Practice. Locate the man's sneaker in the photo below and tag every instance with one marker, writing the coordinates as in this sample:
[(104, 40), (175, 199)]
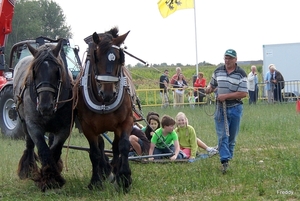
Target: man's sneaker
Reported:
[(212, 152), (225, 167)]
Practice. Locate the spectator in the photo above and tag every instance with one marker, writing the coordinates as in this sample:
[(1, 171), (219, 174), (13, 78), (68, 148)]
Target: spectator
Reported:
[(199, 86), (231, 83), (165, 140), (252, 85), (173, 80), (163, 85), (269, 85), (278, 83), (188, 140), (180, 85), (153, 125), (139, 142)]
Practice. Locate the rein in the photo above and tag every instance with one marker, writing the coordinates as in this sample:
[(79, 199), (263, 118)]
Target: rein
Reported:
[(136, 58)]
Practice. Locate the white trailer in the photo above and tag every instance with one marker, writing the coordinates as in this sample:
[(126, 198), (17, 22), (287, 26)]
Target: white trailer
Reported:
[(286, 58)]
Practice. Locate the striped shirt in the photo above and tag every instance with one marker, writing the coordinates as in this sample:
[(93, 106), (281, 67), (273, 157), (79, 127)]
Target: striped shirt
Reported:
[(228, 83)]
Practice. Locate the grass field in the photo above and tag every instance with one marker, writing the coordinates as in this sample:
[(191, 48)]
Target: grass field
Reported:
[(266, 164)]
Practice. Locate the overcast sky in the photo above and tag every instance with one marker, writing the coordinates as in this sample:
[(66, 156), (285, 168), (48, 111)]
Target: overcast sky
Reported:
[(243, 25)]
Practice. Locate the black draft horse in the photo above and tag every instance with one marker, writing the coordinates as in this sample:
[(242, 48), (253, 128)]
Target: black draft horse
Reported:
[(42, 90), (105, 104)]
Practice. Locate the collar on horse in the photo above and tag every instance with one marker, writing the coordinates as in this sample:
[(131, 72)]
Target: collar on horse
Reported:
[(89, 96)]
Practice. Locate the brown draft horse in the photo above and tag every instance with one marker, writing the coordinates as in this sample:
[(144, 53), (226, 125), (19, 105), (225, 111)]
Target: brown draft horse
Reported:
[(41, 87), (105, 104)]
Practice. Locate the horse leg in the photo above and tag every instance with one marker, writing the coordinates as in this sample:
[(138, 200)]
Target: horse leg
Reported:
[(56, 146), (50, 176), (59, 162), (123, 174), (97, 158), (27, 165), (105, 168)]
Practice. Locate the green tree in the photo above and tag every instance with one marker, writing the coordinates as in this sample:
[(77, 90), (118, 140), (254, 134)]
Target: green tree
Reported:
[(34, 18)]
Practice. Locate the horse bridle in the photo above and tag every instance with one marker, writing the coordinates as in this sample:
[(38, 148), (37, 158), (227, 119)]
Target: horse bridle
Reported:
[(111, 57), (51, 88)]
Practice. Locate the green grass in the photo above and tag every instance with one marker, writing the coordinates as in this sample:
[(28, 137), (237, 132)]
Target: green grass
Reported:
[(269, 133)]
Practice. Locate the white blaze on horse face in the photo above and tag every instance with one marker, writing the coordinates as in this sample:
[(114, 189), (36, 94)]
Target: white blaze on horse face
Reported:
[(111, 57)]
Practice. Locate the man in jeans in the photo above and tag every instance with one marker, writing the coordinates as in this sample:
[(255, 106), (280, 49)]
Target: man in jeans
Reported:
[(231, 83), (163, 85)]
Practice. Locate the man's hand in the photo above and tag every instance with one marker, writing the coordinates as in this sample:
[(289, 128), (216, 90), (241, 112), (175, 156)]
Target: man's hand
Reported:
[(221, 97), (208, 90)]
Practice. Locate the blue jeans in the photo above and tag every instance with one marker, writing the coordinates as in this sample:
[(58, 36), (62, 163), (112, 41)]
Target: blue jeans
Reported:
[(165, 151), (227, 143)]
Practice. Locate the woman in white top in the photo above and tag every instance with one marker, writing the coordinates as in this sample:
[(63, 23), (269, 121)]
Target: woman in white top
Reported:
[(180, 86)]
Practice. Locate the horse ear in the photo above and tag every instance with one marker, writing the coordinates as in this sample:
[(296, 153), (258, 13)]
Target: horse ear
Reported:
[(119, 40), (57, 49), (96, 38), (31, 49)]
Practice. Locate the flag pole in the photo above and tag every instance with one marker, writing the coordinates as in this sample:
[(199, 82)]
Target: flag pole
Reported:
[(196, 38)]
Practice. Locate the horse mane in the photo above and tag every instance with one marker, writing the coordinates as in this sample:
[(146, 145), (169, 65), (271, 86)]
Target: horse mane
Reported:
[(43, 53), (106, 39)]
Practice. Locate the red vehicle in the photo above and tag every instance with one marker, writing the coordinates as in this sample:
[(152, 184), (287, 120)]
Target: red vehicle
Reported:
[(10, 124), (6, 15)]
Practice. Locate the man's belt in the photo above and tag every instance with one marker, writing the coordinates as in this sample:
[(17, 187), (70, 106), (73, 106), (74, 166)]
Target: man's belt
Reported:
[(231, 103)]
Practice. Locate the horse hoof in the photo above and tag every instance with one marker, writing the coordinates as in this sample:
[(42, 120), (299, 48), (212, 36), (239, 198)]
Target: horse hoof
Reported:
[(111, 178), (119, 188), (54, 183), (97, 185)]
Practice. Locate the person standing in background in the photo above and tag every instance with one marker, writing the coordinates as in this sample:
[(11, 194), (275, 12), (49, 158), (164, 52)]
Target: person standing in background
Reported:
[(278, 82), (231, 83), (180, 85), (269, 84), (174, 78), (164, 86), (252, 85), (199, 86)]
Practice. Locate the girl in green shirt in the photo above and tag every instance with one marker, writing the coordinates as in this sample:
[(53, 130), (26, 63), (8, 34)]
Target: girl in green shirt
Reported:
[(187, 138)]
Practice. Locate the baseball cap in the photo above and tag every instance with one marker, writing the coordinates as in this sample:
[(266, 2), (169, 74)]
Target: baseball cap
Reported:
[(230, 52)]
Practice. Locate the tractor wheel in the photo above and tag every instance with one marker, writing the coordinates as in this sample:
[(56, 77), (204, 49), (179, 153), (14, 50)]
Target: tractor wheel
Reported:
[(10, 123)]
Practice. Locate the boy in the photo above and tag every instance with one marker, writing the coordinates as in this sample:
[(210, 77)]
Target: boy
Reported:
[(165, 140)]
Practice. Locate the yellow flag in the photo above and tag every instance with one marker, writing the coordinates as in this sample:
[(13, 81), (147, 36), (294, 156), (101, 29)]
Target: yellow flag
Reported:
[(167, 7)]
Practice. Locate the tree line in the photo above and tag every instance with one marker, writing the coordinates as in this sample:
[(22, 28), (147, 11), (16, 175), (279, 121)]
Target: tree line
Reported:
[(37, 18)]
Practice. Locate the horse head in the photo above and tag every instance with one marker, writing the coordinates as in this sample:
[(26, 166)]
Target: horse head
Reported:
[(107, 57), (47, 71)]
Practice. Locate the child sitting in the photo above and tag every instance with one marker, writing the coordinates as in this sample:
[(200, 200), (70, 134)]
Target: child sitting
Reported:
[(187, 138), (153, 124), (165, 140)]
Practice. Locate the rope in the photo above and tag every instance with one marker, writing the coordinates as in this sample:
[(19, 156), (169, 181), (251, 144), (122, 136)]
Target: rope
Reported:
[(75, 101), (225, 118)]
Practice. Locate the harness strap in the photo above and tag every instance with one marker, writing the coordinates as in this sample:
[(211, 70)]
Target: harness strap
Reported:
[(45, 89), (107, 78)]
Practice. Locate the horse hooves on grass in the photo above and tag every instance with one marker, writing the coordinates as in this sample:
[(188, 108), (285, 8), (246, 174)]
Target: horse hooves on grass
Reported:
[(111, 178), (51, 185), (120, 188), (96, 185)]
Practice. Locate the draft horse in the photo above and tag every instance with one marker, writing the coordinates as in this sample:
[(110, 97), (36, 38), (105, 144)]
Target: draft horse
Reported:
[(105, 104), (42, 90)]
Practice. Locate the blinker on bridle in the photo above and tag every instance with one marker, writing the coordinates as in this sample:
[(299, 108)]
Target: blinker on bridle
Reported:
[(51, 88), (110, 60)]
